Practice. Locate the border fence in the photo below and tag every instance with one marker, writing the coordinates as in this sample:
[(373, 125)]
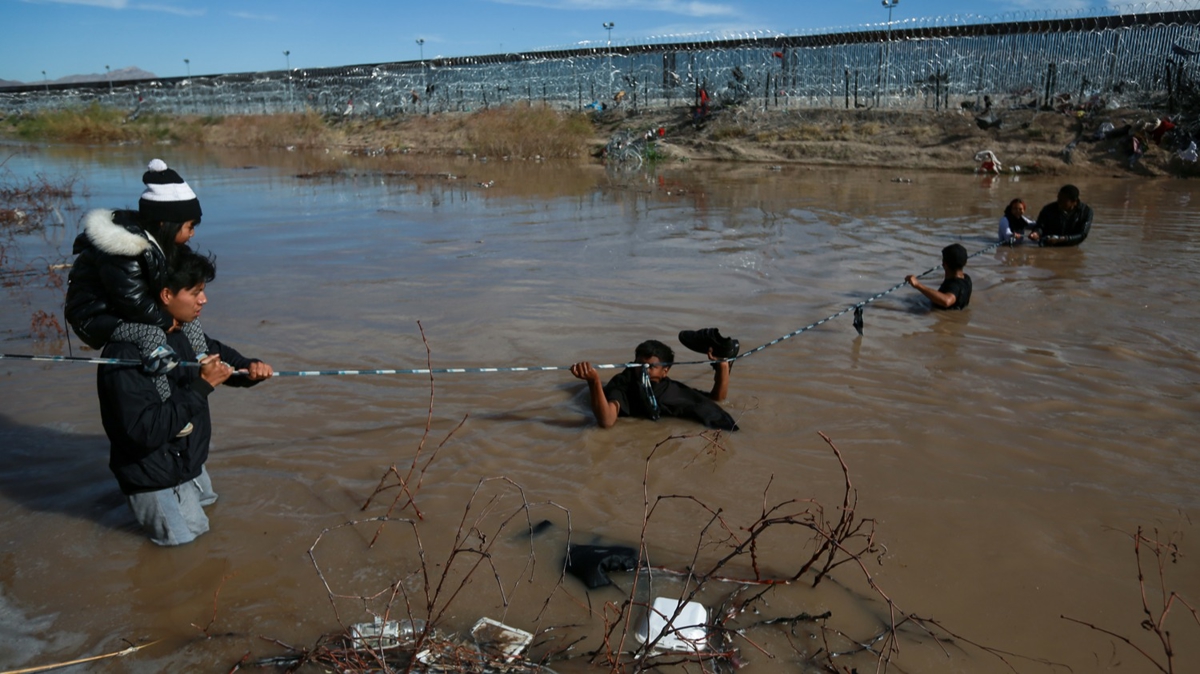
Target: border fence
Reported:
[(1145, 57)]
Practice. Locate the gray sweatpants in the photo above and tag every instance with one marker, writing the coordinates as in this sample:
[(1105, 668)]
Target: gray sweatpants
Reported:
[(175, 516)]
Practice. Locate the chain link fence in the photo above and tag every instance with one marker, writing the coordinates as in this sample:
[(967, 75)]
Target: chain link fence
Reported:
[(1145, 56)]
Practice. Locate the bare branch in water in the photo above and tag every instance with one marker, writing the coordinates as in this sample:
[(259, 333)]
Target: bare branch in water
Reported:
[(1155, 620)]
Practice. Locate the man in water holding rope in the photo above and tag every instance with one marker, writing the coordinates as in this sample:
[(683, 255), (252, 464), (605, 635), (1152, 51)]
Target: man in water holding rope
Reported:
[(158, 422), (1065, 222), (648, 393), (955, 291)]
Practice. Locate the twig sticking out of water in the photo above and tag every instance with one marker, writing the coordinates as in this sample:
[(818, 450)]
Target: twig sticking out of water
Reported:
[(213, 619), (404, 482), (94, 658), (1156, 619)]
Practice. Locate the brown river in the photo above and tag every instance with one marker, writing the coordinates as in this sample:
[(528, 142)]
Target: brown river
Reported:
[(1005, 454)]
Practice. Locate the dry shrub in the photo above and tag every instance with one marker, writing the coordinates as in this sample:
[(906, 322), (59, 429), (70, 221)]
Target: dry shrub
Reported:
[(525, 130), (729, 131), (807, 131), (93, 123), (870, 128), (923, 132), (843, 131), (303, 129)]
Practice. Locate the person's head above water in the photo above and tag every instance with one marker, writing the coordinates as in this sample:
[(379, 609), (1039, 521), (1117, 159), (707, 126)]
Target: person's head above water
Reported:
[(1068, 197), (954, 257), (168, 208), (183, 296), (653, 352), (1015, 209)]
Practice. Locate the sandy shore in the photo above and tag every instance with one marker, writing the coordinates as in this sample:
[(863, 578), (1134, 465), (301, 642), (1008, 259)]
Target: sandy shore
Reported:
[(1036, 141)]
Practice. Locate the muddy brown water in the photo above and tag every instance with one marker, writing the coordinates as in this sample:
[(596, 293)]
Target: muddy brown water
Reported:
[(1004, 452)]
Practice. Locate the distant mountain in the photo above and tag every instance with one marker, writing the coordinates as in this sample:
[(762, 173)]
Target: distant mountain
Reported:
[(130, 73)]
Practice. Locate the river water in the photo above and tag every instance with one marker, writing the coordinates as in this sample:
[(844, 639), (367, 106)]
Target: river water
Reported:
[(1004, 453)]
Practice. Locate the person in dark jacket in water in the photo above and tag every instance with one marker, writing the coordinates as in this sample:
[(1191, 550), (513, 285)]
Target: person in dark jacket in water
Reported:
[(648, 393), (158, 443), (122, 259), (1065, 222)]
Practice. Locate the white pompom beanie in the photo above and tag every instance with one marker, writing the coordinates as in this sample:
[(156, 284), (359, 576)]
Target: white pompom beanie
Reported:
[(167, 197)]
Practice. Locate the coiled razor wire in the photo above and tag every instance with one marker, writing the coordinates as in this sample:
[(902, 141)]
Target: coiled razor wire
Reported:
[(856, 308), (1128, 54)]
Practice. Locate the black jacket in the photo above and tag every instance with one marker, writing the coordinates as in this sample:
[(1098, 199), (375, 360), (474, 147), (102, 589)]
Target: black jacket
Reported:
[(145, 453), (1071, 227), (671, 399), (116, 277)]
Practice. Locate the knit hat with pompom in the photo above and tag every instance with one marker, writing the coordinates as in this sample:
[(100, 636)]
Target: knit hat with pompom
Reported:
[(167, 197)]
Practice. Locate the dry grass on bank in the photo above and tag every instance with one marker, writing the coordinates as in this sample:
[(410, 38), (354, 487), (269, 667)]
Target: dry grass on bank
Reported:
[(1037, 141), (95, 124), (521, 130), (302, 130)]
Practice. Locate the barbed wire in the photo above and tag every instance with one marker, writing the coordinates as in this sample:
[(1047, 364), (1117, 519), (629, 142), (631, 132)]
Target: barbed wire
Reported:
[(1124, 55)]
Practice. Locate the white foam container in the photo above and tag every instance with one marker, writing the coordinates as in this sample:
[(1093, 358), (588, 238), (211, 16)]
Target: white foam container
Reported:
[(686, 633)]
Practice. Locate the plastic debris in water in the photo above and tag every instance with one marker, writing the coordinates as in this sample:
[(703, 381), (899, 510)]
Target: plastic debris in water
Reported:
[(683, 633), (500, 639)]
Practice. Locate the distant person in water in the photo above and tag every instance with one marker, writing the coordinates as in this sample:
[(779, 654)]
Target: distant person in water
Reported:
[(1065, 222), (1014, 223), (648, 393), (955, 291)]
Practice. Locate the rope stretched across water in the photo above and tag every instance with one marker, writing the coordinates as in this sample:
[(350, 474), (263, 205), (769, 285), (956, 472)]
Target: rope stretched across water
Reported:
[(856, 308)]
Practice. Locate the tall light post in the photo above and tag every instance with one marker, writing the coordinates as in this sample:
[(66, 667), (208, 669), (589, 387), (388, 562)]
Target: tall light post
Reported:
[(108, 76), (424, 80), (191, 95), (890, 4), (46, 81), (287, 61), (608, 26)]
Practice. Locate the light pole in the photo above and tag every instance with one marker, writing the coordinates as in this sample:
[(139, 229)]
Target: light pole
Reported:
[(108, 76), (188, 63), (890, 4), (608, 26), (46, 81), (424, 80), (287, 60)]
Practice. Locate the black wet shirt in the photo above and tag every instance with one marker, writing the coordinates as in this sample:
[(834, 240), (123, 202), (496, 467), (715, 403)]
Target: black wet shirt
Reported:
[(960, 288), (673, 400)]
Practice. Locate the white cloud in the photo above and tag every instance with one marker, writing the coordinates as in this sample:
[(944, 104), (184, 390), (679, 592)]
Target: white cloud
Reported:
[(107, 4), (693, 8), (124, 5), (254, 17), (168, 9)]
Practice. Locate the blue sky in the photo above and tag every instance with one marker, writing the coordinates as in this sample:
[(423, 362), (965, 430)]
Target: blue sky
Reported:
[(73, 37)]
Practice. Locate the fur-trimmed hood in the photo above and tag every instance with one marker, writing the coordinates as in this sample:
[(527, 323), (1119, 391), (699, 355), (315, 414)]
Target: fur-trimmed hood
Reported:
[(108, 236)]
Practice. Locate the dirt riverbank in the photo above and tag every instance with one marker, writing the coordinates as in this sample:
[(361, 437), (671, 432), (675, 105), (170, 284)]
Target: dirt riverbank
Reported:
[(1036, 141)]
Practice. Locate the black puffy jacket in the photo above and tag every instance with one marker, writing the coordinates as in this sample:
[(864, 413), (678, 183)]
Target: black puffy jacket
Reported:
[(145, 450), (117, 275)]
